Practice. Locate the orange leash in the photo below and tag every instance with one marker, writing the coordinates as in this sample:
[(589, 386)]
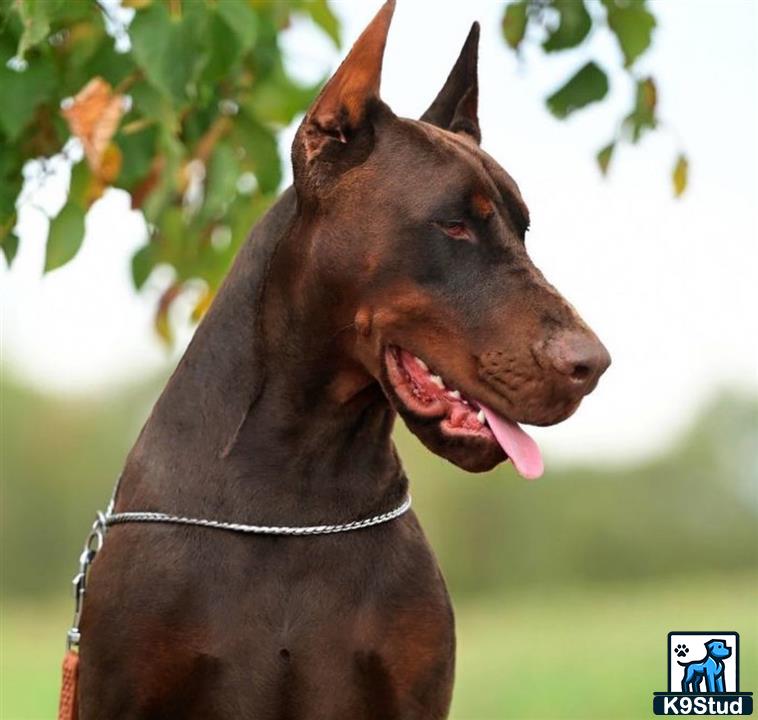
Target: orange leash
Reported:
[(67, 707)]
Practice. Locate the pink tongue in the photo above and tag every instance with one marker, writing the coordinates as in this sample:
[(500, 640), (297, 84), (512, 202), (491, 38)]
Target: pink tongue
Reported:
[(520, 447)]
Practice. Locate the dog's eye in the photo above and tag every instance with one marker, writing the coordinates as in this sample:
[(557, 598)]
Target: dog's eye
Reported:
[(455, 229)]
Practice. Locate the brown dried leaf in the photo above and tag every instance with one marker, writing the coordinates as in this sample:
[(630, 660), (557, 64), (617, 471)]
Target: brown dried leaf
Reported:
[(93, 117)]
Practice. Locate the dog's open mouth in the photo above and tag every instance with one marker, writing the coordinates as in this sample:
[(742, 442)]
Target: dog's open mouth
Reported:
[(461, 420)]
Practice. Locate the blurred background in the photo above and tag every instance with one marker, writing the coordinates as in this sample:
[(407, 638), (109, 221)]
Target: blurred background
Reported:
[(631, 130)]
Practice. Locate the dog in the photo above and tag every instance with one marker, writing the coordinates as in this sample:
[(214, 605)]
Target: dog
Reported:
[(391, 279), (710, 669)]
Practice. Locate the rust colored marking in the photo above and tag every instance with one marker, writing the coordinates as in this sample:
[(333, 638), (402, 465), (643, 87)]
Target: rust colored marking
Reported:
[(482, 205), (413, 645)]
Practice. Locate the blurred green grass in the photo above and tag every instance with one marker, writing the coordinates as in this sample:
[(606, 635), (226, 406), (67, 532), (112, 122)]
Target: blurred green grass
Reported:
[(590, 653), (564, 589), (584, 652)]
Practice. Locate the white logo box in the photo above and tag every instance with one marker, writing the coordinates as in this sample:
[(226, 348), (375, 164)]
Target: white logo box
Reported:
[(695, 643)]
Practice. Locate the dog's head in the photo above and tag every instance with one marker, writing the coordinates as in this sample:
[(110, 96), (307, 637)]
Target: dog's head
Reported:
[(418, 234), (718, 649)]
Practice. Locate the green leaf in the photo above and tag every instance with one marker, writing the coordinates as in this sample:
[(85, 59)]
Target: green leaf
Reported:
[(642, 117), (322, 15), (229, 30), (36, 21), (172, 232), (632, 24), (574, 25), (243, 213), (261, 152), (223, 47), (241, 20), (680, 175), (166, 188), (278, 99), (65, 236), (604, 157), (221, 181), (167, 49), (80, 184), (11, 182), (143, 262), (138, 150), (82, 46), (10, 247), (22, 92), (266, 52), (588, 85), (65, 12), (514, 23), (150, 103), (108, 63)]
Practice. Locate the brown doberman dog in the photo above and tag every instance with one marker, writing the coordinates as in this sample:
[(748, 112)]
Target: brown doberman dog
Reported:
[(392, 278)]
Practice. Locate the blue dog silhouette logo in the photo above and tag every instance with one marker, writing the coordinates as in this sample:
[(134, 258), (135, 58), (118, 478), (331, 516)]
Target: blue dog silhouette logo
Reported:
[(710, 669), (703, 676)]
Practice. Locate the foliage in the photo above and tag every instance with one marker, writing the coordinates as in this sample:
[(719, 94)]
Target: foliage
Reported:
[(177, 102), (557, 25)]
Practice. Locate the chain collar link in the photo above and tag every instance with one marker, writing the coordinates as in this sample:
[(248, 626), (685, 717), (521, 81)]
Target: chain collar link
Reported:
[(94, 542)]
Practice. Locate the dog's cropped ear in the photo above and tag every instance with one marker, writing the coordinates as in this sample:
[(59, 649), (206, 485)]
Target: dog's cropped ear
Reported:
[(331, 137), (455, 108)]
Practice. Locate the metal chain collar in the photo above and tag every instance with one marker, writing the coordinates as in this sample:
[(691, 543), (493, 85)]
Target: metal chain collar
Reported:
[(103, 521), (158, 517)]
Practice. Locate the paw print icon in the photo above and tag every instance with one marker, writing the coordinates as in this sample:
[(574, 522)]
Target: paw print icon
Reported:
[(681, 650)]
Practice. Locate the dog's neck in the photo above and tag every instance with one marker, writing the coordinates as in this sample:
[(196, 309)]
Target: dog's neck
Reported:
[(265, 419)]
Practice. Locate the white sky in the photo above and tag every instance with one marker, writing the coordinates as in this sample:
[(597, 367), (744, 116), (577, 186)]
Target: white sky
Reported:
[(670, 286)]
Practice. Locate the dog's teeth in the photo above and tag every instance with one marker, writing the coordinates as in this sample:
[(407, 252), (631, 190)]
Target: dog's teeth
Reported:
[(421, 363), (480, 416), (437, 380), (455, 394)]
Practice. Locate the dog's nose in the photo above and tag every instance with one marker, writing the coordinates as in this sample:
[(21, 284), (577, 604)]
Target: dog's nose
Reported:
[(579, 357)]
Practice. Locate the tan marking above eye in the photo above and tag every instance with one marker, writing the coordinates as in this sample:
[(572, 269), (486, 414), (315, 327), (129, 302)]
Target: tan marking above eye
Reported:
[(482, 205)]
